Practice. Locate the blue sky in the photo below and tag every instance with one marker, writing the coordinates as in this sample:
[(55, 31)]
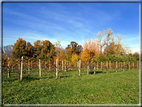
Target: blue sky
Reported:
[(68, 22)]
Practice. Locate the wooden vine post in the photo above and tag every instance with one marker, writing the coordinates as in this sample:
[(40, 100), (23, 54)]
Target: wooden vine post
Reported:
[(56, 68), (21, 68), (116, 66), (8, 69), (39, 68), (94, 69), (79, 67)]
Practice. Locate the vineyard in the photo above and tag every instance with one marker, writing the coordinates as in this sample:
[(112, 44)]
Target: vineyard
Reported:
[(26, 66)]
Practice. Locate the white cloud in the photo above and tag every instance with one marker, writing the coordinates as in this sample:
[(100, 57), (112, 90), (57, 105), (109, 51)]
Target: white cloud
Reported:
[(136, 50)]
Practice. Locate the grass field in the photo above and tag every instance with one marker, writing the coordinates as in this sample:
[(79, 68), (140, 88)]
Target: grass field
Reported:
[(112, 88)]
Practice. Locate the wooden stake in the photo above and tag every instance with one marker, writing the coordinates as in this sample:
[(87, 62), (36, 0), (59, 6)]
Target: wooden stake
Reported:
[(39, 68), (56, 68), (21, 68)]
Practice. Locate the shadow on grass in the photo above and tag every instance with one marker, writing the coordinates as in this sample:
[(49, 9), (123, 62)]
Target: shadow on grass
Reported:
[(64, 76), (28, 78), (97, 72)]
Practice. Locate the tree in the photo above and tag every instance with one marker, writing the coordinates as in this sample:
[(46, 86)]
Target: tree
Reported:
[(29, 50), (75, 47), (136, 56), (37, 49), (62, 54), (68, 55), (91, 50), (58, 46), (19, 48), (75, 58)]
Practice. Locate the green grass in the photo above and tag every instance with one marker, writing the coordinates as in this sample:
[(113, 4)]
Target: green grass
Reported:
[(102, 88)]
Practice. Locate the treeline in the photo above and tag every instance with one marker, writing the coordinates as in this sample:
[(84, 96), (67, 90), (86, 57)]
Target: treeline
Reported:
[(94, 50)]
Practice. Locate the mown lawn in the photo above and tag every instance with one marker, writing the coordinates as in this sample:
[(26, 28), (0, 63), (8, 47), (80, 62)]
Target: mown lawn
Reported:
[(112, 88)]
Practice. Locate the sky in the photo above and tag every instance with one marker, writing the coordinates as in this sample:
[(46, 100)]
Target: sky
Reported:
[(68, 22)]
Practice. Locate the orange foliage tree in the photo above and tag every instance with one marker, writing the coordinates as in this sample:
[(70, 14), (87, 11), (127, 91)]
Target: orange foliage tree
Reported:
[(19, 48), (91, 51)]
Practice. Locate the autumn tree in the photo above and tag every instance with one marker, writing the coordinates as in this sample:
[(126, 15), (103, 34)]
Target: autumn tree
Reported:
[(91, 50), (62, 54), (57, 49), (75, 47), (19, 48), (136, 56), (68, 55), (37, 49)]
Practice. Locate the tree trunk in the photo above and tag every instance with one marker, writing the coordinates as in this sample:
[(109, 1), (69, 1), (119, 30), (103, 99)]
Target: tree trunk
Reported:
[(94, 69), (133, 65), (8, 69), (39, 68), (21, 68)]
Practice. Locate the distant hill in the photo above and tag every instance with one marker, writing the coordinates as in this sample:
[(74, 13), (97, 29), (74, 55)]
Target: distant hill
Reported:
[(7, 49)]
